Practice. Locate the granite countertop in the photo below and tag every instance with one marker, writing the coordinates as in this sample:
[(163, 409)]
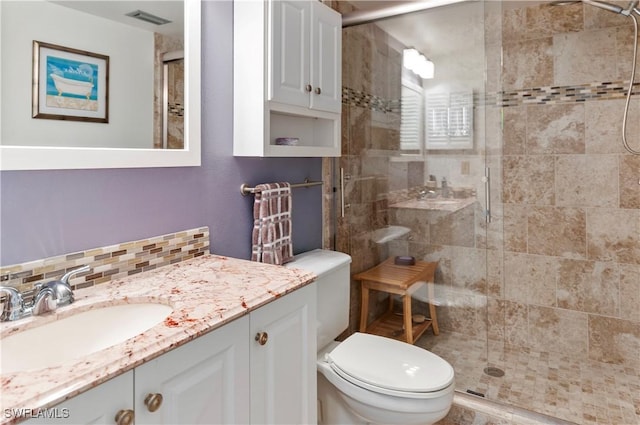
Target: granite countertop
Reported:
[(205, 293), (435, 204)]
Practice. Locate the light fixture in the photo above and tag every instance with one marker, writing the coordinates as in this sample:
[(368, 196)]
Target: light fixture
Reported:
[(418, 63)]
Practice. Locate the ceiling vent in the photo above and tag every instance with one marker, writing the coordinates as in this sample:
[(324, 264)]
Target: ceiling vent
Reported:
[(148, 17)]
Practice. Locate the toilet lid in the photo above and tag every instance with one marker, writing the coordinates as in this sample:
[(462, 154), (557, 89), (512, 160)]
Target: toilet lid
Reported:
[(386, 364)]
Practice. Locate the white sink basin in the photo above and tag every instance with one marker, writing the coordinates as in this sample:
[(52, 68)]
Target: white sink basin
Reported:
[(61, 341)]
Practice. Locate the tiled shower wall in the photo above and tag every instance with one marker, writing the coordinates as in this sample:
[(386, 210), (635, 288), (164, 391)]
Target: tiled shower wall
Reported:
[(570, 231), (559, 267)]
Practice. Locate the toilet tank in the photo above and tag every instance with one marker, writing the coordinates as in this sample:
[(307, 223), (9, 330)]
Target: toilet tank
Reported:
[(332, 290)]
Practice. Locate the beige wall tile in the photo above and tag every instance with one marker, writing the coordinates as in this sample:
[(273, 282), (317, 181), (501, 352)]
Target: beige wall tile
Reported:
[(516, 318), (514, 20), (589, 286), (595, 18), (527, 64), (555, 129), (528, 180), (585, 57), (557, 231), (614, 235), (630, 292), (562, 330), (514, 135), (456, 229), (614, 340), (629, 182), (624, 48), (515, 227), (495, 275), (587, 180), (530, 279), (544, 20), (469, 269), (416, 220), (357, 51), (603, 125)]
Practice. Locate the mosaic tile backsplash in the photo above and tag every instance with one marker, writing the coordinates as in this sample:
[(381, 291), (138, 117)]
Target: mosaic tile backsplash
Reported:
[(110, 262)]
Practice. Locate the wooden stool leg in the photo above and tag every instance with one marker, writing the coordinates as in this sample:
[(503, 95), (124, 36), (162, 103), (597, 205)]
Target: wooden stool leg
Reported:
[(406, 311), (432, 309), (364, 308)]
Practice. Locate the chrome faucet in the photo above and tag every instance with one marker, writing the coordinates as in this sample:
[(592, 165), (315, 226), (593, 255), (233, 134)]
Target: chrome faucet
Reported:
[(49, 296), (13, 306), (61, 290)]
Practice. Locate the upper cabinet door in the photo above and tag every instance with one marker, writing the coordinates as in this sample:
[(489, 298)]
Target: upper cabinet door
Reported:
[(290, 80), (326, 59)]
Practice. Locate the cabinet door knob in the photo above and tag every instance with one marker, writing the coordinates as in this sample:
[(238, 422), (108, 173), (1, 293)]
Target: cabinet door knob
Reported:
[(124, 417), (318, 91), (308, 87), (153, 401), (262, 338)]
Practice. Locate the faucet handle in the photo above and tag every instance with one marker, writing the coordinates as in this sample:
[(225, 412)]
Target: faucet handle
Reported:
[(13, 306), (70, 274), (62, 292)]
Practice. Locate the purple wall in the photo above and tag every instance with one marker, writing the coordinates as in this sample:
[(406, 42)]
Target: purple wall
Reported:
[(48, 213)]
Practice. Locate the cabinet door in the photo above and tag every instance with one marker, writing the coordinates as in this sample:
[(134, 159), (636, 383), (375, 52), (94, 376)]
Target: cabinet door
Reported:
[(326, 59), (289, 53), (283, 368), (96, 406), (203, 382)]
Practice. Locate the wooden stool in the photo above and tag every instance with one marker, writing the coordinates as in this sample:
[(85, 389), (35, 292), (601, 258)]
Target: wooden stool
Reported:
[(399, 280)]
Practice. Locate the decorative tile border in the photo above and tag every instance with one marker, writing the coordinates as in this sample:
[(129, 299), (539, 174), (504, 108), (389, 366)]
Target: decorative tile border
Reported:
[(566, 94), (369, 101), (176, 109), (110, 262), (532, 96)]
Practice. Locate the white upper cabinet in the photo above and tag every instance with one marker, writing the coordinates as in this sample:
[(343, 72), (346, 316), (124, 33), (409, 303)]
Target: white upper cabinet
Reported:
[(306, 55), (287, 78)]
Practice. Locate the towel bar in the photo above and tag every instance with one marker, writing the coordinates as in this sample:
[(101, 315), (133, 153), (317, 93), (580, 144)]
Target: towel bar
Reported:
[(246, 190)]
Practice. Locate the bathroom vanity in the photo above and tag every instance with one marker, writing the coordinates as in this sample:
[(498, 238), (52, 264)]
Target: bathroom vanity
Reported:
[(240, 334)]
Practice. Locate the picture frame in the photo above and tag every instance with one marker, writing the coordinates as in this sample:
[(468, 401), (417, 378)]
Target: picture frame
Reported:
[(69, 84)]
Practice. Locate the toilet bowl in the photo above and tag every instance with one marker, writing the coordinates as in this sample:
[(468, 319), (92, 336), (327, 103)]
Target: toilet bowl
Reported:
[(384, 381), (369, 379)]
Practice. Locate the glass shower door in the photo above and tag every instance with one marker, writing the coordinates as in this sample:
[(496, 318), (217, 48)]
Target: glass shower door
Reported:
[(412, 172)]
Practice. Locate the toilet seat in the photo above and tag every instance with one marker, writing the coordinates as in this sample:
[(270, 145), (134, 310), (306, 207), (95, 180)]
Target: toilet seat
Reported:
[(390, 367)]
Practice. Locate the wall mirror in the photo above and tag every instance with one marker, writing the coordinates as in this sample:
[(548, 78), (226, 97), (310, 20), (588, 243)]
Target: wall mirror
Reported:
[(151, 86)]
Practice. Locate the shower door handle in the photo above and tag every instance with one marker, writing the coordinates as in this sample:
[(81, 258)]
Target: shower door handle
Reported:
[(486, 179), (343, 206)]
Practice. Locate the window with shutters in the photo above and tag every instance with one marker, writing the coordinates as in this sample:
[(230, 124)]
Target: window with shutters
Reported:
[(449, 120), (411, 117)]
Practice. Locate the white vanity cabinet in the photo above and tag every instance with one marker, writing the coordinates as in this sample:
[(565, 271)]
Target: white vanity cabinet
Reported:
[(260, 368), (205, 381), (283, 360), (99, 405), (287, 78)]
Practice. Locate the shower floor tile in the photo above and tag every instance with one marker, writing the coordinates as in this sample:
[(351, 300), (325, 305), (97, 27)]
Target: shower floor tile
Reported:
[(584, 392)]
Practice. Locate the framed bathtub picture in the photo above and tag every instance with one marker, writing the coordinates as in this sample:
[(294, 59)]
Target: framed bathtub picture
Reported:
[(69, 84)]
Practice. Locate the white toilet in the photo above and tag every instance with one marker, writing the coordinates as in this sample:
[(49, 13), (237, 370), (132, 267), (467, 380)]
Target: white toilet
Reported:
[(368, 379)]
